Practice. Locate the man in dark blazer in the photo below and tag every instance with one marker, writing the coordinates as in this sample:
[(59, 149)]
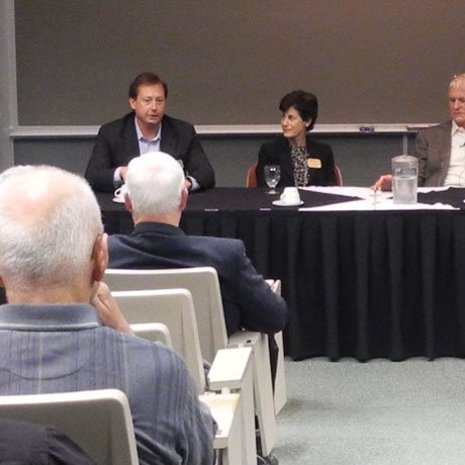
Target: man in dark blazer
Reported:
[(147, 129), (440, 149), (157, 242)]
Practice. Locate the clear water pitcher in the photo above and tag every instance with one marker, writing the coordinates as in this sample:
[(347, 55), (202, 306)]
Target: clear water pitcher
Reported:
[(404, 179)]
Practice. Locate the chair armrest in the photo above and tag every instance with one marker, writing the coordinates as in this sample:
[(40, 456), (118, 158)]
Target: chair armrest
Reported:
[(275, 285), (233, 369), (262, 385), (230, 368), (223, 409), (244, 339)]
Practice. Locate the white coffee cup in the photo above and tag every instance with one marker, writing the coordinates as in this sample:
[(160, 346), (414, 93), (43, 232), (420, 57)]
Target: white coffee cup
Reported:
[(290, 195), (119, 194)]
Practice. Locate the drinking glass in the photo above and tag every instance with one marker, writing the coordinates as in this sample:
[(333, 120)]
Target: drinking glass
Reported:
[(272, 176)]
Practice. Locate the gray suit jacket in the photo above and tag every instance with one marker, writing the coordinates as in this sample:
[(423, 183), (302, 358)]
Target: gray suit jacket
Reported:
[(432, 148)]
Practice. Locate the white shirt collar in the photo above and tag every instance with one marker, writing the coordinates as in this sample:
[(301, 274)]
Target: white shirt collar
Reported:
[(140, 136), (456, 129)]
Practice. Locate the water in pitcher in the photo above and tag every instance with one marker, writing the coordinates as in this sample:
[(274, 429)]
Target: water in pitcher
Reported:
[(405, 189), (404, 179)]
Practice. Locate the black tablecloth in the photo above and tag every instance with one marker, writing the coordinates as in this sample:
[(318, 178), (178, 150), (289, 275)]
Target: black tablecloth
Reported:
[(452, 196), (362, 284)]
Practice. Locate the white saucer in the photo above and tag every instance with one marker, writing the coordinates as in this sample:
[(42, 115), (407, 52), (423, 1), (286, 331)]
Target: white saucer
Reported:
[(281, 203), (118, 199)]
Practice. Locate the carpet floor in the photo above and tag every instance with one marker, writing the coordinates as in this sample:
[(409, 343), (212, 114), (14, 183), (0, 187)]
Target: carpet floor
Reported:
[(374, 413)]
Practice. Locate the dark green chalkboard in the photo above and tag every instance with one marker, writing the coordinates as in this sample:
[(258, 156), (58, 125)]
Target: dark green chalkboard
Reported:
[(229, 62)]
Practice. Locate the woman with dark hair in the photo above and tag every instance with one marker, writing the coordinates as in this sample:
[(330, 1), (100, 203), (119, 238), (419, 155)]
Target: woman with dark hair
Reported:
[(303, 162)]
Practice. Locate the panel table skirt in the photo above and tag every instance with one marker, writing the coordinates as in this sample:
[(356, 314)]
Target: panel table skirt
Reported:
[(359, 284)]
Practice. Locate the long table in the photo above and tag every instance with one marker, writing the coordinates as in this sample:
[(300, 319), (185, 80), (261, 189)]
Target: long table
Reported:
[(360, 284)]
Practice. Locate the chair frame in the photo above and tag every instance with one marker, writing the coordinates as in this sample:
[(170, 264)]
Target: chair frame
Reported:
[(167, 306), (251, 179), (127, 279), (231, 369), (155, 332), (212, 330)]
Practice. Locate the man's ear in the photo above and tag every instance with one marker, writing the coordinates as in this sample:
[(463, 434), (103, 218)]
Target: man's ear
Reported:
[(100, 257), (128, 203), (308, 123), (184, 197), (132, 103)]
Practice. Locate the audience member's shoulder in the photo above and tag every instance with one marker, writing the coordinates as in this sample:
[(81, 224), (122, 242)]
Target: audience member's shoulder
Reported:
[(116, 239), (229, 248), (142, 347), (224, 242), (147, 357)]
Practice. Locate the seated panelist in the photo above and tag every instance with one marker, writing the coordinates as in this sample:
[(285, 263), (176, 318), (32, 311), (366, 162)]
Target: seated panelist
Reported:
[(440, 149), (303, 162), (147, 129)]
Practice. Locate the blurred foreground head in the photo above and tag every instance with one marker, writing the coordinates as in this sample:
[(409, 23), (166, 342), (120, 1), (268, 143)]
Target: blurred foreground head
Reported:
[(50, 224)]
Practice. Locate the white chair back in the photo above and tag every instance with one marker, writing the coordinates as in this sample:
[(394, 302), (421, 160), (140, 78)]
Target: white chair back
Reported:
[(99, 421), (155, 332), (175, 309), (203, 284)]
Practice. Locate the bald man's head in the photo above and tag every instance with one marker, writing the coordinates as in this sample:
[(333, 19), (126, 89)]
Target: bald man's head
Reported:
[(49, 220)]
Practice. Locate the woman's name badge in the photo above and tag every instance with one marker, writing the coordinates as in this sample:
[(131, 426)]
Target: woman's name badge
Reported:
[(314, 163)]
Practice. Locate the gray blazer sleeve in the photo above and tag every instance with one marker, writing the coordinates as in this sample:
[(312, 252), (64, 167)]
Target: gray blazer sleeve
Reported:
[(432, 148)]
